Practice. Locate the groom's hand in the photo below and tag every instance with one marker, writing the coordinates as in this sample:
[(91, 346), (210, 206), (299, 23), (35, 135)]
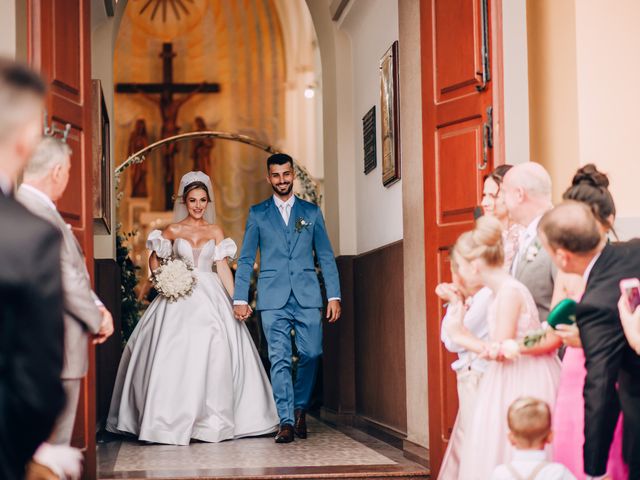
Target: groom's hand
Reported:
[(333, 311), (242, 312)]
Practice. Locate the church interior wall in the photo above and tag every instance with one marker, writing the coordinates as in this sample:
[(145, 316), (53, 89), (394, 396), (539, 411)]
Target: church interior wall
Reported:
[(551, 38), (515, 81), (372, 26), (339, 194), (413, 225), (354, 43), (608, 65), (583, 96), (102, 44)]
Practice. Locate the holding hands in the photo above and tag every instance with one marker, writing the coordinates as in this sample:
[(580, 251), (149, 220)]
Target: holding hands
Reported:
[(242, 312)]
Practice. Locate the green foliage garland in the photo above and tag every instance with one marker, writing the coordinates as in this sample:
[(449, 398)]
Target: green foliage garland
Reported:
[(130, 307)]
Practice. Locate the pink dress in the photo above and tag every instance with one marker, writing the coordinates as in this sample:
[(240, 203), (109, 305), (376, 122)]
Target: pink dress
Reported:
[(568, 421), (486, 445)]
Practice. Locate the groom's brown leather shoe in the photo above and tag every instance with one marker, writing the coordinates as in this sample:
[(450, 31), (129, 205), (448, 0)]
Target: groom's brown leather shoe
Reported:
[(285, 434), (300, 427)]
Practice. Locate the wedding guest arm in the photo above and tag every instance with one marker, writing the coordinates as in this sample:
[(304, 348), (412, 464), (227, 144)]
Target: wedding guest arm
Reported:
[(630, 323), (474, 318)]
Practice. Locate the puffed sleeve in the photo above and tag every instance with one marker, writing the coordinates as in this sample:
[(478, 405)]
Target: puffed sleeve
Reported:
[(226, 248), (159, 244)]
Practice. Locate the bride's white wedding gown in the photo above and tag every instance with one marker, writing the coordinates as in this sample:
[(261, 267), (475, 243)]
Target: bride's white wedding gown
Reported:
[(190, 370)]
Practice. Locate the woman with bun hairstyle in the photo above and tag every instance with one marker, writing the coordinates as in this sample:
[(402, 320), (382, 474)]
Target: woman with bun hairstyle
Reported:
[(479, 258), (589, 186)]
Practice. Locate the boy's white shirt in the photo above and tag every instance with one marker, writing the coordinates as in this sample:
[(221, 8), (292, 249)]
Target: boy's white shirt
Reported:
[(524, 461)]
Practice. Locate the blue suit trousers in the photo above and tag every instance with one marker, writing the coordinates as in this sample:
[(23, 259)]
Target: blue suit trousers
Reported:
[(277, 326)]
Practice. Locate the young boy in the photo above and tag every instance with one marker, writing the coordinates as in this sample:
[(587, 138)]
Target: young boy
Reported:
[(529, 422)]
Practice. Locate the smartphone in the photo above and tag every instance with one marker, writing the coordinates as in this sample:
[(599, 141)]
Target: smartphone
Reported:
[(630, 289)]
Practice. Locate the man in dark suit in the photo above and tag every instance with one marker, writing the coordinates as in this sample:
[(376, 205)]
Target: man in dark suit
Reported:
[(571, 235), (31, 327)]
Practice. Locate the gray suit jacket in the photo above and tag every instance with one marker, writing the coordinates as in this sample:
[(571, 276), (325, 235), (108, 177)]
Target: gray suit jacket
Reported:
[(81, 314), (537, 272)]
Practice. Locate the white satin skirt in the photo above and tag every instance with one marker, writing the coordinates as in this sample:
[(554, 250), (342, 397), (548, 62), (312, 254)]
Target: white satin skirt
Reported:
[(191, 371)]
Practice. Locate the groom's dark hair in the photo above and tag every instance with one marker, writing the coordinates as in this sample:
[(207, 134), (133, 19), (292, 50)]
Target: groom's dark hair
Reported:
[(279, 159)]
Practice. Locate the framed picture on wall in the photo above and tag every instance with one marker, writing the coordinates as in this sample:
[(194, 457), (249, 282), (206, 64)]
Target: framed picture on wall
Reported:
[(101, 161), (389, 116), (369, 139)]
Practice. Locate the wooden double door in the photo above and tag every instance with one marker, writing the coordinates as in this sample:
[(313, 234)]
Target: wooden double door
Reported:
[(461, 105), (59, 47)]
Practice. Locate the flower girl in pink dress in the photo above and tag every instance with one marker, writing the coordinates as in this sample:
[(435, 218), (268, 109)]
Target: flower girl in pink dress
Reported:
[(479, 256)]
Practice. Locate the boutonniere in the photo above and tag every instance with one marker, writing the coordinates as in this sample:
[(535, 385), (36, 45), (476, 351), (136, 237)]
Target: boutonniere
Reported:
[(532, 251), (301, 223)]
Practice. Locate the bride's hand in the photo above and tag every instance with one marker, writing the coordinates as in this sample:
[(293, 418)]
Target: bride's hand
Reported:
[(242, 312)]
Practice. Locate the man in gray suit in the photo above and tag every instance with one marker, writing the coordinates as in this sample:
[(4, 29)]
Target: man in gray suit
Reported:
[(45, 180), (527, 195)]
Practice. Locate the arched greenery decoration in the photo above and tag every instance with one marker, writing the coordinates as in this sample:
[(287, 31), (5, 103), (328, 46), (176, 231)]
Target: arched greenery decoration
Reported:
[(309, 187)]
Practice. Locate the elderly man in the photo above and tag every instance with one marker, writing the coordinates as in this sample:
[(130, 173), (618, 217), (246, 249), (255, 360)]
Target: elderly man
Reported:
[(570, 234), (31, 327), (527, 196), (45, 180)]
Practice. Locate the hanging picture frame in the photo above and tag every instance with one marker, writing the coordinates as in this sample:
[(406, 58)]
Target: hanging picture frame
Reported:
[(389, 116), (101, 161)]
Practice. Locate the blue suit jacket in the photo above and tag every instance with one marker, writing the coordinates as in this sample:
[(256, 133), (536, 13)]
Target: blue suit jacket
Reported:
[(286, 257)]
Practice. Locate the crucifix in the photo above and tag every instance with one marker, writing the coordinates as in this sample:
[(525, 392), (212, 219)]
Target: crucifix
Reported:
[(169, 108)]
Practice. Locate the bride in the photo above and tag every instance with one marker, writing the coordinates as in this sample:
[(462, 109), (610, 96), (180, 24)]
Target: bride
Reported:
[(190, 370)]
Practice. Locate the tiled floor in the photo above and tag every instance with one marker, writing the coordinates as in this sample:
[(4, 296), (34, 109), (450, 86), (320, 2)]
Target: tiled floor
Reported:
[(327, 453)]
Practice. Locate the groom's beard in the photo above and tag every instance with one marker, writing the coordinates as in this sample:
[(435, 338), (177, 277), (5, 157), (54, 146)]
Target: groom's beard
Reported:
[(287, 191)]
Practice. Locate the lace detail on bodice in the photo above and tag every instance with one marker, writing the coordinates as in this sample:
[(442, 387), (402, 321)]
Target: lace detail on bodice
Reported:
[(196, 255)]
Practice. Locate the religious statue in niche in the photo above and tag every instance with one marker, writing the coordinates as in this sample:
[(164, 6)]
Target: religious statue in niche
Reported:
[(169, 109), (137, 141), (202, 147)]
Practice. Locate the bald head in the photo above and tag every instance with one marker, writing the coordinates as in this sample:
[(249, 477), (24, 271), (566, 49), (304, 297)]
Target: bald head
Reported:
[(527, 192), (571, 226), (532, 178)]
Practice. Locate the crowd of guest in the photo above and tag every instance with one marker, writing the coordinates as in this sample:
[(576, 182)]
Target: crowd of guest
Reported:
[(48, 312), (548, 366)]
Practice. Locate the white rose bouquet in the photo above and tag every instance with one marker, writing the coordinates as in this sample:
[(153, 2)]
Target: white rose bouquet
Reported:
[(174, 279)]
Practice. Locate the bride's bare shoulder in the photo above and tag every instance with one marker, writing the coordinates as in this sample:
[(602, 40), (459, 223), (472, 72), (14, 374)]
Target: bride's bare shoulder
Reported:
[(215, 231), (171, 231)]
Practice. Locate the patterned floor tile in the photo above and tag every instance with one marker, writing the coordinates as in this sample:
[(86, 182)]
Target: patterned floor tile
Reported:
[(324, 447)]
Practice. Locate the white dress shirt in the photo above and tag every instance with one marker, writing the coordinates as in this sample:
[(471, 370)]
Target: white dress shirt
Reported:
[(285, 207), (587, 271), (525, 461), (529, 234), (475, 320)]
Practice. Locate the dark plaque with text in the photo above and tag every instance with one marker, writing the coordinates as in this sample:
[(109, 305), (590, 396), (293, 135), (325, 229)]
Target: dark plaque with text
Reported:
[(369, 137)]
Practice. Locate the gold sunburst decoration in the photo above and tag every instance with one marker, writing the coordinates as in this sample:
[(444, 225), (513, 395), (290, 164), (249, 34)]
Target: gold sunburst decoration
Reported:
[(166, 19)]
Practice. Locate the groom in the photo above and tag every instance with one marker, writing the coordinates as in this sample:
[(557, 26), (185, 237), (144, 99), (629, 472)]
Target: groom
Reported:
[(288, 231)]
